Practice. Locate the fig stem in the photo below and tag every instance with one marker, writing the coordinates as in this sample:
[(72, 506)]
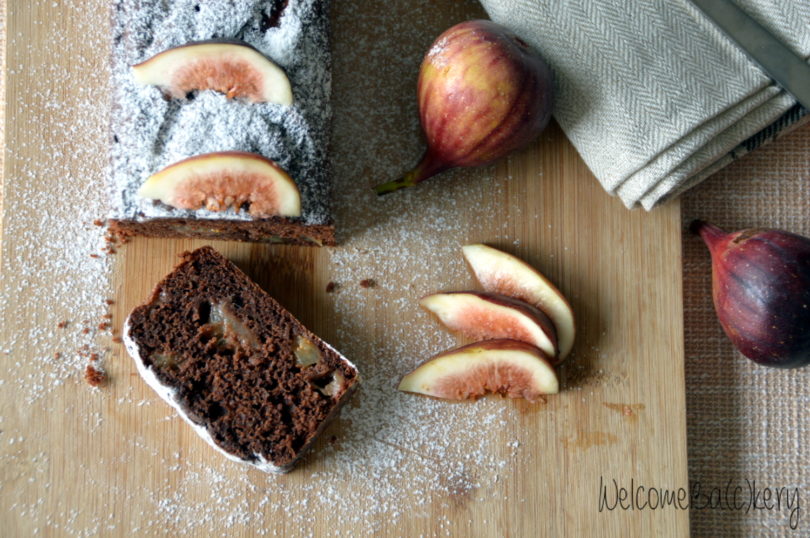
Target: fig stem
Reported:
[(710, 233), (428, 167), (408, 180)]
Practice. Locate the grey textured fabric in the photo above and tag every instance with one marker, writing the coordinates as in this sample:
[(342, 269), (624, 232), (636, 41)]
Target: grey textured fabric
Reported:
[(654, 97)]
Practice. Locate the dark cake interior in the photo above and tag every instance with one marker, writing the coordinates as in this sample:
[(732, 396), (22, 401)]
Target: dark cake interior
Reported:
[(243, 367)]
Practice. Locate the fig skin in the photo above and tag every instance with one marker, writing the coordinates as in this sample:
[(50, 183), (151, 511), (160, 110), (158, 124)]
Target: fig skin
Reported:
[(482, 94), (761, 292)]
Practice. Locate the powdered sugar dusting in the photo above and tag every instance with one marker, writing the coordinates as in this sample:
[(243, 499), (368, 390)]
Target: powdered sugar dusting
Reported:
[(394, 456), (56, 166), (410, 244)]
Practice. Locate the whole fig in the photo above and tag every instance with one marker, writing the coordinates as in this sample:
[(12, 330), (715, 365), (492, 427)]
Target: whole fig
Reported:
[(761, 292), (482, 93)]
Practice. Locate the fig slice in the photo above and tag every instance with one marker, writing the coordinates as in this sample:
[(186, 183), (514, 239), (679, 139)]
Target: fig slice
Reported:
[(231, 67), (506, 367), (485, 316), (221, 180), (500, 272)]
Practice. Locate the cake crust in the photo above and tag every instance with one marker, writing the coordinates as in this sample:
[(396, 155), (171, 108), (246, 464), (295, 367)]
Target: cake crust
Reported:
[(273, 230)]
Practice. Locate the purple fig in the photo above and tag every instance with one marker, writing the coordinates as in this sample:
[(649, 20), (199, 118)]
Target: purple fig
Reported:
[(482, 93), (761, 292)]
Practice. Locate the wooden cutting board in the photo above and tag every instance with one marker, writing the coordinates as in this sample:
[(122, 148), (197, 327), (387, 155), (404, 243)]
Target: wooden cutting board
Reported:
[(116, 461)]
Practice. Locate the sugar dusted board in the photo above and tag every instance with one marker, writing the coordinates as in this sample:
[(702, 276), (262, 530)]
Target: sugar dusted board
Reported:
[(117, 461)]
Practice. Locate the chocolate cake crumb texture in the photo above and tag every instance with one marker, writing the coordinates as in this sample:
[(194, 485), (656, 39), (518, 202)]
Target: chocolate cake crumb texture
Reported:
[(383, 435)]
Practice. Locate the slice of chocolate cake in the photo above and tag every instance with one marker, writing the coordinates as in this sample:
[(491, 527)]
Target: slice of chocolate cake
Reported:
[(249, 377)]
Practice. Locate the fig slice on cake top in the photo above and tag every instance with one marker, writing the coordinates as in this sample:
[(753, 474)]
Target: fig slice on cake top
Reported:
[(231, 67), (484, 316), (506, 367), (217, 181), (499, 272)]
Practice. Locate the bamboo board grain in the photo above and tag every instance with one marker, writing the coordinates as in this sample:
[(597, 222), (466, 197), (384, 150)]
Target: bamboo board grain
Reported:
[(620, 416)]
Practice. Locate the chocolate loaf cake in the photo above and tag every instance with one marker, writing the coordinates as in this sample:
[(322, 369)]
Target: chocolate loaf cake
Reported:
[(153, 129), (249, 377)]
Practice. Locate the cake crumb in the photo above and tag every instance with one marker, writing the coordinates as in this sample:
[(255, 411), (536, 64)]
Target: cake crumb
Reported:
[(109, 301), (62, 324), (103, 326), (57, 355), (368, 283), (98, 222), (93, 376), (86, 330), (331, 287), (117, 339)]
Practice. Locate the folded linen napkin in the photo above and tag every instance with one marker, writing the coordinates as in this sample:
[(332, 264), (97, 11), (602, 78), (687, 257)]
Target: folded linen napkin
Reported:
[(653, 96)]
